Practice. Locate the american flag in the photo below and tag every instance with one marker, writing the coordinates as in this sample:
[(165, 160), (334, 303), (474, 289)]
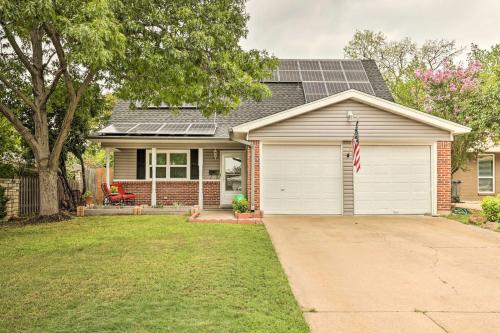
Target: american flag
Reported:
[(355, 148)]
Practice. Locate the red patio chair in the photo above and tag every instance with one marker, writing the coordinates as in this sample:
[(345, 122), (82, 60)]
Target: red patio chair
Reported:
[(110, 198), (129, 198)]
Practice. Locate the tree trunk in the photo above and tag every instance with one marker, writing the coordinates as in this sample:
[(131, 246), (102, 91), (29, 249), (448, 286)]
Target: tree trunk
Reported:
[(49, 203), (84, 178)]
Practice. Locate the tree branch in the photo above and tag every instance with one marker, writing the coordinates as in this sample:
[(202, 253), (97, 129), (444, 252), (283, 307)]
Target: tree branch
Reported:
[(62, 59), (18, 125), (68, 119), (18, 92), (24, 59), (53, 85)]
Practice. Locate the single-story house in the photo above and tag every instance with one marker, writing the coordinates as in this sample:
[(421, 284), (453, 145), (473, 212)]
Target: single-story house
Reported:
[(480, 178), (290, 153)]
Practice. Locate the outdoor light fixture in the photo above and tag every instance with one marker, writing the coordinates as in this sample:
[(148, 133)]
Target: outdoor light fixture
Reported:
[(215, 154), (351, 116)]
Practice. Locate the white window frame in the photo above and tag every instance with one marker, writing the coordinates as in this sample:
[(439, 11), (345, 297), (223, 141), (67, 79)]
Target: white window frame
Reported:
[(492, 177), (168, 165)]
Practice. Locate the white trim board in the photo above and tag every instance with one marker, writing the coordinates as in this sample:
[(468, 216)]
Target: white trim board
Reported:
[(358, 96)]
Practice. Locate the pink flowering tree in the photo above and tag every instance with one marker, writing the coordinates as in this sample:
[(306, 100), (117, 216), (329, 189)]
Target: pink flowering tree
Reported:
[(453, 92)]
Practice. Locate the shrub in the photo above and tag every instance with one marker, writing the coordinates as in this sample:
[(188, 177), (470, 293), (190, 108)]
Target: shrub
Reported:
[(3, 203), (491, 208), (87, 194), (240, 206)]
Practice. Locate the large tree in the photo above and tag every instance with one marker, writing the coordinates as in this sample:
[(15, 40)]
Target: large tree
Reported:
[(176, 52), (399, 59)]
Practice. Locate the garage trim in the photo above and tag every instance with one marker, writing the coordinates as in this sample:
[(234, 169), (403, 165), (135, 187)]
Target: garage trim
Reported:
[(262, 145), (433, 167)]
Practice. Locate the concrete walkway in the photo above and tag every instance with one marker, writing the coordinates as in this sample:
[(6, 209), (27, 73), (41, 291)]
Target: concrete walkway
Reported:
[(390, 274)]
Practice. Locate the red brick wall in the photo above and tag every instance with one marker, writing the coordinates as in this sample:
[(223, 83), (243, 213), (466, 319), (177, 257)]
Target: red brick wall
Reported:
[(257, 173), (170, 192), (180, 192), (141, 189), (444, 176), (211, 194)]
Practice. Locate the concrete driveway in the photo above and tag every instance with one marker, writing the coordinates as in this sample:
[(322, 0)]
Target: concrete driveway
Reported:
[(390, 274)]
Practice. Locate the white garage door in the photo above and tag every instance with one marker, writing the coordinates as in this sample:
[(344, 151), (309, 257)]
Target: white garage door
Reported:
[(393, 180), (301, 179)]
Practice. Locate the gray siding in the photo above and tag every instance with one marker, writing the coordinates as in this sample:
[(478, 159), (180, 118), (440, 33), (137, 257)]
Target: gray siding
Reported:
[(209, 163), (125, 162), (347, 175), (331, 122)]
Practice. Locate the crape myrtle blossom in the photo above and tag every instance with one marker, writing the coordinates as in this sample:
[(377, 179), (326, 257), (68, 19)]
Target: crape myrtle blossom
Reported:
[(446, 87)]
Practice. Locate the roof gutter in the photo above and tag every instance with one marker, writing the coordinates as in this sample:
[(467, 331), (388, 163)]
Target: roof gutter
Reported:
[(252, 168)]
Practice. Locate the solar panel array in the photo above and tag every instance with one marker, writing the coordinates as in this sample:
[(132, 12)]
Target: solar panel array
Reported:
[(188, 129), (323, 78)]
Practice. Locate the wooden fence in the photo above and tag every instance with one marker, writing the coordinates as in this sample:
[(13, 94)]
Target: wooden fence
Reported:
[(29, 194)]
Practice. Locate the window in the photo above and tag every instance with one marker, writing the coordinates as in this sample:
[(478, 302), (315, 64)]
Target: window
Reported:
[(169, 164), (486, 173)]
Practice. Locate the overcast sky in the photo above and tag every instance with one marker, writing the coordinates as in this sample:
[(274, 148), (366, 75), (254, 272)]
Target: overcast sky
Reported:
[(321, 28)]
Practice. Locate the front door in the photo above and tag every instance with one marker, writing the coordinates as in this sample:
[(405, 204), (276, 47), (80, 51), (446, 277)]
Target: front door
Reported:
[(232, 176)]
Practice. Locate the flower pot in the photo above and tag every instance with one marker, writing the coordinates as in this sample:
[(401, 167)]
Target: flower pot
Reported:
[(89, 201), (248, 215)]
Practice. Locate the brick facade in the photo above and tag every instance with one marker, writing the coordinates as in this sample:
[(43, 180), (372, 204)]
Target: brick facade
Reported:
[(11, 187), (444, 176), (142, 190), (257, 174), (184, 193), (211, 194)]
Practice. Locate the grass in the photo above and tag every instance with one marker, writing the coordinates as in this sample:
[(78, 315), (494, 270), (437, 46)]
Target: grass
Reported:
[(143, 274), (460, 218)]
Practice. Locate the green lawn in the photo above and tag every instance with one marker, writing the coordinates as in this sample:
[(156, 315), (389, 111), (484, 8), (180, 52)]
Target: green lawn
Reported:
[(143, 274)]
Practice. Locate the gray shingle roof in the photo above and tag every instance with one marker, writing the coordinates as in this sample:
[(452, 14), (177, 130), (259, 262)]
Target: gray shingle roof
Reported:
[(285, 95)]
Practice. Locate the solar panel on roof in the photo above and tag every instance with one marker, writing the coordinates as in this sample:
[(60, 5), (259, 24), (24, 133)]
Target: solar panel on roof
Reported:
[(145, 128), (288, 65), (289, 76), (320, 77), (120, 128), (173, 129), (314, 88), (312, 76), (336, 87), (333, 75), (333, 65), (202, 129), (355, 76), (309, 65), (352, 65)]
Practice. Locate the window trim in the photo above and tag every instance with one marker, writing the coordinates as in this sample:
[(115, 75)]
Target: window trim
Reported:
[(492, 177), (168, 165)]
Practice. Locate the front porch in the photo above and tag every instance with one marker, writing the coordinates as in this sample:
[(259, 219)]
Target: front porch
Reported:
[(179, 173)]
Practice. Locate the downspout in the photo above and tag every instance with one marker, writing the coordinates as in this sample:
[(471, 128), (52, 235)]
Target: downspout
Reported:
[(252, 168)]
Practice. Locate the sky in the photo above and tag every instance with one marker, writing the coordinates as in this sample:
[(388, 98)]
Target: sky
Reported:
[(321, 28)]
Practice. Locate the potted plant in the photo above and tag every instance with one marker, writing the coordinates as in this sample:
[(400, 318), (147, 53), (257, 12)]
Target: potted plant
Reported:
[(114, 189), (89, 198), (240, 207)]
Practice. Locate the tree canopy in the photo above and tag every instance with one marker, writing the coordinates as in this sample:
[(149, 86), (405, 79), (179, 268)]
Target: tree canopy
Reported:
[(175, 52)]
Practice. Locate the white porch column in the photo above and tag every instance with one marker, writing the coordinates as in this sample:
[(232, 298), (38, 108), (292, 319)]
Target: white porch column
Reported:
[(108, 172), (153, 176), (200, 178)]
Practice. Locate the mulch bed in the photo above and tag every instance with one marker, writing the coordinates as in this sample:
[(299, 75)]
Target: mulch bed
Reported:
[(60, 217)]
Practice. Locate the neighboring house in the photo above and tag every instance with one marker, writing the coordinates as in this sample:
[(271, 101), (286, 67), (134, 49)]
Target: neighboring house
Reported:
[(291, 153), (481, 177)]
